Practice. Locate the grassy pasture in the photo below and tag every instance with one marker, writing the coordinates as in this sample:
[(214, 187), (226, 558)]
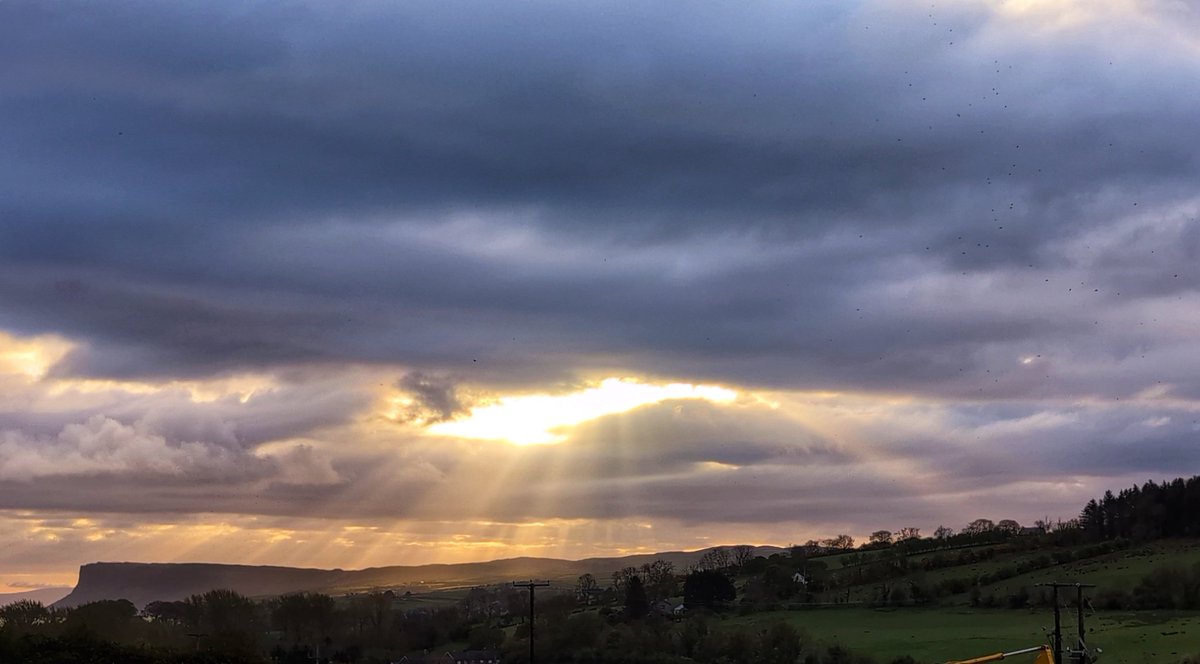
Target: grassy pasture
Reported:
[(943, 634), (1120, 570)]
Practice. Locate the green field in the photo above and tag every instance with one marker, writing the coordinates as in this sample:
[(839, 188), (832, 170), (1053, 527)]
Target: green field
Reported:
[(953, 630), (939, 635), (1117, 571), (1120, 570)]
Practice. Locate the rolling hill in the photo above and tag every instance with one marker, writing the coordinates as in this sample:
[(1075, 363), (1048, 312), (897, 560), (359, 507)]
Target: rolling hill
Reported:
[(43, 595), (142, 583)]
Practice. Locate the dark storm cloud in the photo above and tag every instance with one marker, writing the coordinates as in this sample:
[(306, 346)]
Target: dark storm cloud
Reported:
[(711, 191), (435, 398)]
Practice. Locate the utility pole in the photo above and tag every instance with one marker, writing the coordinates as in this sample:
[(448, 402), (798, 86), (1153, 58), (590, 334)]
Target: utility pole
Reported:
[(1081, 647), (1079, 618), (531, 584), (196, 640)]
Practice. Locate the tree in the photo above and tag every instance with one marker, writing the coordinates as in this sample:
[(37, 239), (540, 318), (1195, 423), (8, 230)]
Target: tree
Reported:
[(839, 542), (708, 588), (170, 613), (778, 582), (1008, 526), (374, 609), (229, 618), (659, 579), (779, 644), (979, 527), (881, 537), (636, 603), (621, 577), (478, 602), (485, 637), (742, 554), (586, 587), (111, 619), (908, 532), (22, 616), (715, 559), (290, 615), (943, 532)]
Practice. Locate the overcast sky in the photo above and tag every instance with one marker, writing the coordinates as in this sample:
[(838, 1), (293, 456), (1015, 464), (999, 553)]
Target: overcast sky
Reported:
[(299, 282)]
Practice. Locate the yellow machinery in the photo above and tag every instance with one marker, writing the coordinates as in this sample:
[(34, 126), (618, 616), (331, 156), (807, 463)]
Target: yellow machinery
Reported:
[(1045, 656), (1053, 653)]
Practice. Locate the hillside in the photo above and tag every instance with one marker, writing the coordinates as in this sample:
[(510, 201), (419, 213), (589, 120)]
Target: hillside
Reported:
[(43, 595), (142, 583), (1001, 571)]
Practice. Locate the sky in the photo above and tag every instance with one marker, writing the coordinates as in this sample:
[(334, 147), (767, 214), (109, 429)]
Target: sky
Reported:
[(366, 283)]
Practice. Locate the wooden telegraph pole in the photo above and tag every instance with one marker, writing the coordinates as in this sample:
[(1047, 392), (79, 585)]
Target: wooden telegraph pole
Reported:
[(1080, 650), (531, 584)]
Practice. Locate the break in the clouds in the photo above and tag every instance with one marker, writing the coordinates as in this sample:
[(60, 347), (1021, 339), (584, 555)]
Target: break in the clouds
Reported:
[(269, 261)]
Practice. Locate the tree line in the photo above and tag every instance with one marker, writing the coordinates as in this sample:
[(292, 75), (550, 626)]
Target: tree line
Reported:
[(1151, 511), (633, 616)]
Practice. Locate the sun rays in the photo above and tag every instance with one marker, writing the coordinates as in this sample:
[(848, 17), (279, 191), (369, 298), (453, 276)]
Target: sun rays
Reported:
[(618, 465)]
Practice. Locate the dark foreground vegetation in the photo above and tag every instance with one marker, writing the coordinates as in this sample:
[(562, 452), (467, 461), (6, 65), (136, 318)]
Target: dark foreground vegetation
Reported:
[(730, 607)]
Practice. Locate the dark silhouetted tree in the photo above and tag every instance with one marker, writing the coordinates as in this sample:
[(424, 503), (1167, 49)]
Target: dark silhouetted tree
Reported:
[(636, 603), (1008, 526), (881, 537), (979, 527), (586, 587), (23, 616), (839, 542), (708, 588), (742, 555)]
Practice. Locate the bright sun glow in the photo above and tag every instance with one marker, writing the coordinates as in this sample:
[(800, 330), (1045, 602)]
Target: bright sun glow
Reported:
[(31, 357), (541, 418)]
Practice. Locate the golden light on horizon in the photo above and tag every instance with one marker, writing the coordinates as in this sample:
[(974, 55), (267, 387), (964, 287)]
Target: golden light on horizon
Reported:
[(539, 419)]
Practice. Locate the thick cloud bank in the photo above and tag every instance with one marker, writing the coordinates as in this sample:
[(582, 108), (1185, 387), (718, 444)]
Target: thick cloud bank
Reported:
[(250, 253)]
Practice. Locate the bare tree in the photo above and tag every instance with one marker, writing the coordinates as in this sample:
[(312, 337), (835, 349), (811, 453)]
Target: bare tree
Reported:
[(659, 577), (839, 542), (742, 555), (715, 559), (621, 578)]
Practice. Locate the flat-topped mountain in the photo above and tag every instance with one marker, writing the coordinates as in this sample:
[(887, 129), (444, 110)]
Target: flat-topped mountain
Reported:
[(142, 583)]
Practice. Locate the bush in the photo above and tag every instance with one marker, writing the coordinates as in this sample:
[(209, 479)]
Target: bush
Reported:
[(1019, 599)]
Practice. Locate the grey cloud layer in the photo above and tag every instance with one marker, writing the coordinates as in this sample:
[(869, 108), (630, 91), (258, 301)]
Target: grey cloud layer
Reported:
[(685, 461), (515, 193), (993, 214)]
